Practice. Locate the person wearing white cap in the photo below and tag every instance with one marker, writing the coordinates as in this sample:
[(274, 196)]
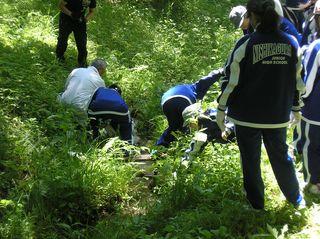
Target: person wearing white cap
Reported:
[(240, 19), (179, 97), (207, 129)]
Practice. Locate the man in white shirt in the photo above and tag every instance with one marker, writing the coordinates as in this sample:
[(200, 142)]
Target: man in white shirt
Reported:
[(86, 91), (82, 83)]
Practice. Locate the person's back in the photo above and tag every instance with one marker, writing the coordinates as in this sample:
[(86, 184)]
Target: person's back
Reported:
[(295, 3), (195, 91), (260, 92), (80, 87), (267, 78), (108, 101), (185, 91)]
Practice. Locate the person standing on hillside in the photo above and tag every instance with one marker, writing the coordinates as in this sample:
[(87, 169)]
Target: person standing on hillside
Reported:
[(73, 18), (239, 17), (262, 87), (309, 138)]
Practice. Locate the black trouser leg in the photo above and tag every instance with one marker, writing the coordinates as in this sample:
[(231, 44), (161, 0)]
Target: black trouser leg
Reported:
[(125, 129), (173, 109), (80, 36), (94, 127), (249, 143), (282, 165), (121, 122), (124, 125), (65, 28)]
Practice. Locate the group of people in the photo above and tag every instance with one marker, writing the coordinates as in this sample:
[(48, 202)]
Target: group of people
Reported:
[(262, 92), (86, 91)]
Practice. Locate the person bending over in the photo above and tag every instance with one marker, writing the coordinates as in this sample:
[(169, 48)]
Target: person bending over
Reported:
[(108, 107), (207, 129), (177, 98), (87, 92)]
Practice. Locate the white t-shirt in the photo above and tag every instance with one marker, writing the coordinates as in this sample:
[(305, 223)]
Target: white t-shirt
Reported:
[(80, 87)]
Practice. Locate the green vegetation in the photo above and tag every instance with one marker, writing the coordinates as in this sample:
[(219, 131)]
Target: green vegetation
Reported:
[(55, 183)]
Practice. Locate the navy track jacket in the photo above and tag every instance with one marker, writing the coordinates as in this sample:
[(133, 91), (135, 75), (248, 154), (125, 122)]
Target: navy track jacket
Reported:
[(288, 27), (108, 101), (262, 83), (192, 92), (311, 98)]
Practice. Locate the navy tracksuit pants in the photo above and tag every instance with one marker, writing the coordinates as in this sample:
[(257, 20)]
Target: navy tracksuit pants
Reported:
[(79, 29), (173, 109), (118, 120), (309, 140), (249, 142)]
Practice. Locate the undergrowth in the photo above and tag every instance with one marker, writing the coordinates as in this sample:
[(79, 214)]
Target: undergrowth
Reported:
[(57, 183)]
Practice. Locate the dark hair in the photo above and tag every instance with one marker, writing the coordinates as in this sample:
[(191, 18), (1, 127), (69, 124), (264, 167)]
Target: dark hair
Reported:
[(116, 87), (266, 14)]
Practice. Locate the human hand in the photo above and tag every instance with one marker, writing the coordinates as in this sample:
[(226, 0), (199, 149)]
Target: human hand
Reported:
[(219, 71), (295, 117)]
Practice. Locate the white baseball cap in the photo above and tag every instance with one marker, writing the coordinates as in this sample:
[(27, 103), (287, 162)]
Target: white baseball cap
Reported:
[(237, 14)]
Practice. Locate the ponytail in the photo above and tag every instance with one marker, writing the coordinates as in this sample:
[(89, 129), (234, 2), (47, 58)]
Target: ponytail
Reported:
[(270, 19), (266, 15)]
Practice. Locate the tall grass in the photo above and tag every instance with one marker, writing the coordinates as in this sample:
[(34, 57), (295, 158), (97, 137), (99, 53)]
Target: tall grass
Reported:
[(56, 183)]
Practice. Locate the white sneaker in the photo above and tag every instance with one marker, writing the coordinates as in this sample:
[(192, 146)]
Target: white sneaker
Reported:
[(314, 188)]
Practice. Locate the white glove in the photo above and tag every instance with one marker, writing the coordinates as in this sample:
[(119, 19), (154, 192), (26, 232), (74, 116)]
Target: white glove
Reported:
[(219, 71), (220, 117), (295, 117)]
